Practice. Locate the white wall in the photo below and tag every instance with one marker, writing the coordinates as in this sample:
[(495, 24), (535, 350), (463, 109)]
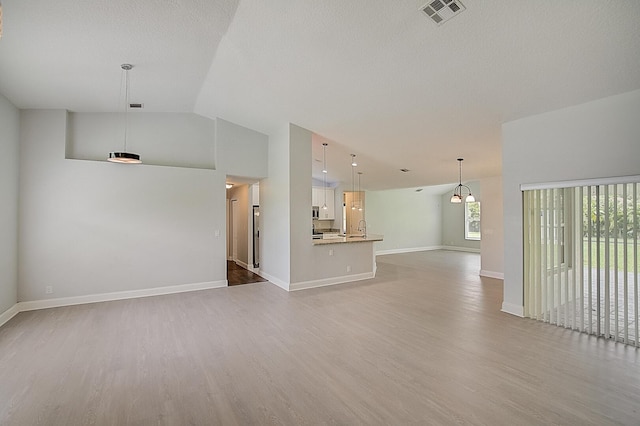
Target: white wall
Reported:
[(92, 227), (491, 223), (453, 218), (409, 220), (241, 151), (274, 211), (9, 143), (592, 140), (300, 161), (162, 139)]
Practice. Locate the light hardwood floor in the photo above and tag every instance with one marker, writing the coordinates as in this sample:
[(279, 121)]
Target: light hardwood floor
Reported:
[(422, 343)]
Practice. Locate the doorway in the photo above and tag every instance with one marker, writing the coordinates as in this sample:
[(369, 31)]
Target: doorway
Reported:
[(237, 275), (243, 234)]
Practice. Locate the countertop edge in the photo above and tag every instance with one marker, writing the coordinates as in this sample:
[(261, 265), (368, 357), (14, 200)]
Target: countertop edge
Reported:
[(348, 240)]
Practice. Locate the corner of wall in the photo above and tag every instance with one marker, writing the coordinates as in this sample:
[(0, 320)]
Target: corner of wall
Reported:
[(8, 314)]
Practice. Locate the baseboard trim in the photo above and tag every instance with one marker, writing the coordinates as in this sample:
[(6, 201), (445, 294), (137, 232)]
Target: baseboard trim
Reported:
[(8, 314), (406, 250), (241, 263), (273, 280), (258, 272), (513, 309), (120, 295), (465, 249), (331, 281), (492, 274)]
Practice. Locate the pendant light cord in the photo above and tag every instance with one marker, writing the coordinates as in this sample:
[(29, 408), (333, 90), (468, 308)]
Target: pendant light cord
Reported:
[(324, 173), (126, 103)]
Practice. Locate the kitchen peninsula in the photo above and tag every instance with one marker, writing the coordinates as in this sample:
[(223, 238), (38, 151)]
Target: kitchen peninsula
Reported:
[(335, 259), (346, 239)]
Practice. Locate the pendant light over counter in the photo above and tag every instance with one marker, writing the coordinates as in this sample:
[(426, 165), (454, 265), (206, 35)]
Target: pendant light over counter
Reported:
[(359, 193), (324, 174), (457, 196), (124, 156), (353, 181)]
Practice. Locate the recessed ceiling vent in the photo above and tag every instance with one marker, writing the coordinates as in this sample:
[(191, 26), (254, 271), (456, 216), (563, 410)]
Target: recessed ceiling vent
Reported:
[(440, 11), (136, 106)]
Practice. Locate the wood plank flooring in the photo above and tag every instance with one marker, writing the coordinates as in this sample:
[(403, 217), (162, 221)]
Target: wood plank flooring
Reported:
[(237, 275), (422, 343)]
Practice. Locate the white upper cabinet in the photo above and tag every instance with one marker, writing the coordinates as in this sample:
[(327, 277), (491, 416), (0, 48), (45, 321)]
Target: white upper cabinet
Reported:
[(318, 199)]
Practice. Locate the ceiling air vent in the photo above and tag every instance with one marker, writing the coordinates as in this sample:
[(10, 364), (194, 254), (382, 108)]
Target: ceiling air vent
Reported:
[(134, 106), (440, 11)]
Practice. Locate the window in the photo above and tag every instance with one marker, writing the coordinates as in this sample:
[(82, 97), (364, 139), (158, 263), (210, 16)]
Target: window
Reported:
[(472, 221)]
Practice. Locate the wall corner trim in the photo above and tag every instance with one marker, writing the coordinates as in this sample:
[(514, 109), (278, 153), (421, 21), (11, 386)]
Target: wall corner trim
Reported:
[(492, 274), (8, 314), (512, 309), (273, 280)]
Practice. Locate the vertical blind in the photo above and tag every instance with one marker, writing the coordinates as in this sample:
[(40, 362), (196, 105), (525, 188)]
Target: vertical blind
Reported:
[(581, 259)]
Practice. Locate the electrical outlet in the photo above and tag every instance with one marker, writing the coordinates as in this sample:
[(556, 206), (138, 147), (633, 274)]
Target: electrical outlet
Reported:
[(348, 268), (48, 289), (330, 252)]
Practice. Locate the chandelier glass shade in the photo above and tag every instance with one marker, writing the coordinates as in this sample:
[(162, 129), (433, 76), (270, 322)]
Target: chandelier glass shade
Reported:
[(461, 191)]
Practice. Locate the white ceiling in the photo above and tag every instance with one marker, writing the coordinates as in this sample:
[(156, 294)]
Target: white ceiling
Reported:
[(375, 78)]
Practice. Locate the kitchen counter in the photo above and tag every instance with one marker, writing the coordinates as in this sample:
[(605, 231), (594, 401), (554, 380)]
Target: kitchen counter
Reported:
[(347, 239)]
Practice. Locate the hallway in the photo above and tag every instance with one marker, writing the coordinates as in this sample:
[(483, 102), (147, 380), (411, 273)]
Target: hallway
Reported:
[(237, 275)]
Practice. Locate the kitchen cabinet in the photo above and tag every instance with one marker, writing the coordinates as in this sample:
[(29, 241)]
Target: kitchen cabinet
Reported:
[(317, 199)]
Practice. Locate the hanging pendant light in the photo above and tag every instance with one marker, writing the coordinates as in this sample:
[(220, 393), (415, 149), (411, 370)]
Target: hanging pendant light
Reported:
[(359, 193), (324, 174), (324, 158), (456, 198), (353, 180), (124, 156)]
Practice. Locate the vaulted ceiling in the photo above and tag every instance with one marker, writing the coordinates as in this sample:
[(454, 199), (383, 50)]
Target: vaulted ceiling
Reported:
[(372, 77)]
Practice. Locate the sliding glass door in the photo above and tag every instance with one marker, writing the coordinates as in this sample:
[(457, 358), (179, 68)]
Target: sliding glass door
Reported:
[(581, 258)]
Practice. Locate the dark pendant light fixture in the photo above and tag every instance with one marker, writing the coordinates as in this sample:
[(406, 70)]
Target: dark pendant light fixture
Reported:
[(456, 198), (124, 156)]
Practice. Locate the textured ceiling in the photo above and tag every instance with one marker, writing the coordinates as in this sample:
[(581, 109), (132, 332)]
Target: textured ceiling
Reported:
[(375, 77), (67, 53)]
